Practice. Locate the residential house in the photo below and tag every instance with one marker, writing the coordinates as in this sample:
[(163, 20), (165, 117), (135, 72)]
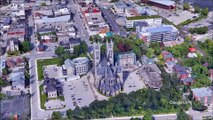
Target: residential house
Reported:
[(52, 88), (211, 74), (18, 80), (204, 95), (145, 60)]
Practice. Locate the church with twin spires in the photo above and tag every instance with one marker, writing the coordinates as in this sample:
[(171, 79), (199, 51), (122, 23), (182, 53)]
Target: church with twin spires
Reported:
[(109, 77)]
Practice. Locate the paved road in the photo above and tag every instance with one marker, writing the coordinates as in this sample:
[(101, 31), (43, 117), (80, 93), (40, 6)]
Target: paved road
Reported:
[(36, 112)]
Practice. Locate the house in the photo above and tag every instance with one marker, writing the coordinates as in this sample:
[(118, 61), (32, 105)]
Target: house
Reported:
[(178, 68), (188, 81), (18, 80), (169, 65), (192, 49), (16, 64), (145, 60), (204, 95), (52, 88), (167, 56), (41, 47), (151, 75), (211, 74)]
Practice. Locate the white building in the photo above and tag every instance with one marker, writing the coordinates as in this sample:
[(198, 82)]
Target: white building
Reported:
[(81, 65), (130, 21), (162, 33), (77, 66)]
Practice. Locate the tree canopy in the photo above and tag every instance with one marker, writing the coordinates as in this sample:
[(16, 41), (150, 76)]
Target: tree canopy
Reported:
[(25, 46)]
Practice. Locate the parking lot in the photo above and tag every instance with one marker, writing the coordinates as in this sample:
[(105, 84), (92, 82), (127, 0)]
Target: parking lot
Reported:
[(133, 83), (78, 93), (19, 105)]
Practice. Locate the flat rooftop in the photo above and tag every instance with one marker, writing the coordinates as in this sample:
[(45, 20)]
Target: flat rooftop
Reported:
[(142, 17)]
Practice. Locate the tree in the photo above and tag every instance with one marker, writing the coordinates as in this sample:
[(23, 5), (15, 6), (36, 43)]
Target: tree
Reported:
[(199, 69), (188, 38), (59, 50), (147, 116), (25, 46), (205, 11), (56, 116), (2, 96), (150, 52), (186, 6), (196, 105), (69, 113), (5, 71), (181, 115), (197, 9)]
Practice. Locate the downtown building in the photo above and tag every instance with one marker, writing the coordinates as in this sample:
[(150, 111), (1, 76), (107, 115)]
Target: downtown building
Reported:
[(162, 33)]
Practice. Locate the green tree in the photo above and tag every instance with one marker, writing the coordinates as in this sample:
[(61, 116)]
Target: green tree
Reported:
[(186, 6), (59, 51), (2, 96), (150, 52), (43, 4), (69, 113), (5, 71), (197, 9), (205, 11), (188, 38), (199, 69), (147, 116), (196, 105), (25, 46), (181, 115), (56, 116)]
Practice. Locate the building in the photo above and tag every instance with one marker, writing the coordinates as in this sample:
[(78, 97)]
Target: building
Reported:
[(52, 88), (68, 68), (145, 60), (166, 4), (120, 7), (81, 65), (17, 30), (162, 33), (151, 75), (77, 66), (94, 21), (18, 80), (211, 74), (109, 77), (204, 95), (12, 45), (126, 60), (131, 22)]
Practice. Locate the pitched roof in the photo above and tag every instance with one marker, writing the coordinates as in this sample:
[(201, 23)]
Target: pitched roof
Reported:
[(202, 92)]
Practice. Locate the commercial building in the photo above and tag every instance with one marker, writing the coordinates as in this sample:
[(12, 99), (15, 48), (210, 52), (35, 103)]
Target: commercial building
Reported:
[(126, 60), (81, 65), (166, 4), (77, 66), (151, 75), (204, 95), (162, 33), (94, 20), (131, 22)]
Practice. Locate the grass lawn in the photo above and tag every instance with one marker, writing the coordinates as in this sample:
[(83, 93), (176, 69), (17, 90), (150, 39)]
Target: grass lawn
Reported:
[(43, 97), (45, 62), (61, 98), (142, 17)]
